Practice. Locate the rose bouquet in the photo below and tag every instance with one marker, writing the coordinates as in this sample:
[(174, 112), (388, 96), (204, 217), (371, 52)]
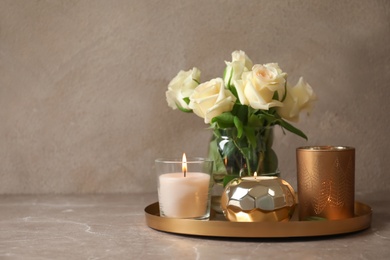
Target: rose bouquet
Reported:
[(249, 100)]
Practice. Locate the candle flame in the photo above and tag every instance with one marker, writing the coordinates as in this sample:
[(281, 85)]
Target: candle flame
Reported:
[(255, 175), (184, 165)]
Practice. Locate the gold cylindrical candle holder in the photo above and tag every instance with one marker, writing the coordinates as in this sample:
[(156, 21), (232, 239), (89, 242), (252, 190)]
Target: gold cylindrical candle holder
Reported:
[(326, 182)]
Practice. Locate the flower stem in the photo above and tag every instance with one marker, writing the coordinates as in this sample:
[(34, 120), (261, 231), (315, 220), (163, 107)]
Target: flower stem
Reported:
[(265, 137), (248, 165)]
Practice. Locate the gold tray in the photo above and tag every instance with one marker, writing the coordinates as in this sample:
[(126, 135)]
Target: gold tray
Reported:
[(217, 226)]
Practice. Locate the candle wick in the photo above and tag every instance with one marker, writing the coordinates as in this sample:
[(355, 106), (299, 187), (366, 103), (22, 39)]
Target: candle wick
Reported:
[(184, 165)]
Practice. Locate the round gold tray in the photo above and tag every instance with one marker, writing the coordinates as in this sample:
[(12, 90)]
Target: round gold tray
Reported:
[(217, 226)]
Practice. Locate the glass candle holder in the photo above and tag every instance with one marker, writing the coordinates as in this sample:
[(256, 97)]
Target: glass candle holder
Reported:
[(184, 187), (326, 182)]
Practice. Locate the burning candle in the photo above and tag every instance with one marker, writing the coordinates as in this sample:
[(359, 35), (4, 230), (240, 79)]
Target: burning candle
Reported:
[(184, 193)]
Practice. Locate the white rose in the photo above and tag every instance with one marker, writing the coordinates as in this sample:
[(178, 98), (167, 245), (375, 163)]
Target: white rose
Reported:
[(270, 76), (240, 63), (181, 87), (211, 99), (241, 57), (257, 87), (298, 98)]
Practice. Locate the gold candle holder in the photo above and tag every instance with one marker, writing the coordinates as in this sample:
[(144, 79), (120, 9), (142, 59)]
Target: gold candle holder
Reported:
[(326, 182), (256, 199)]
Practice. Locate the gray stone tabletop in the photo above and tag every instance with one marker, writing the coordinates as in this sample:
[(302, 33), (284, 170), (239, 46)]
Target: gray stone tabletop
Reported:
[(113, 227)]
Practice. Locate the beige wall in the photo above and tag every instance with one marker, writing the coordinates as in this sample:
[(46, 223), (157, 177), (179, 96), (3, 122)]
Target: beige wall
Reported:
[(82, 84)]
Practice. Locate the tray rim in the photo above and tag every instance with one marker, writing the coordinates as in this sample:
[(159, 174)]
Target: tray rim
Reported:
[(223, 228)]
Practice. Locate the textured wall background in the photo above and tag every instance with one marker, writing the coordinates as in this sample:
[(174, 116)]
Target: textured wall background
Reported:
[(82, 84)]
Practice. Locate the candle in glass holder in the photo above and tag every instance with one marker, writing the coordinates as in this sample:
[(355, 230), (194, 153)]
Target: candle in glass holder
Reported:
[(184, 187)]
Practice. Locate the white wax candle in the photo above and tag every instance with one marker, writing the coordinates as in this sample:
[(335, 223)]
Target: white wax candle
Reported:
[(184, 197), (258, 178)]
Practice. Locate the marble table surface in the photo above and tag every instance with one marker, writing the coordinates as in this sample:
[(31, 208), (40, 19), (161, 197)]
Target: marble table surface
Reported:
[(113, 227)]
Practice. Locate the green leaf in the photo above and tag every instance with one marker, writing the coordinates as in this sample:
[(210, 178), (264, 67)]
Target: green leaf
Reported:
[(270, 118), (251, 136), (255, 120), (291, 128), (241, 111), (228, 149), (239, 126), (276, 120), (223, 120)]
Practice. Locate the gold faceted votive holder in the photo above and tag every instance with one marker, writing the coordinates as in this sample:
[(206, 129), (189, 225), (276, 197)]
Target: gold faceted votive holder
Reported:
[(326, 182), (256, 199)]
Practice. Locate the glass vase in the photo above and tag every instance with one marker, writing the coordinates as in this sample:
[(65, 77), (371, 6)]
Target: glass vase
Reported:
[(234, 157)]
